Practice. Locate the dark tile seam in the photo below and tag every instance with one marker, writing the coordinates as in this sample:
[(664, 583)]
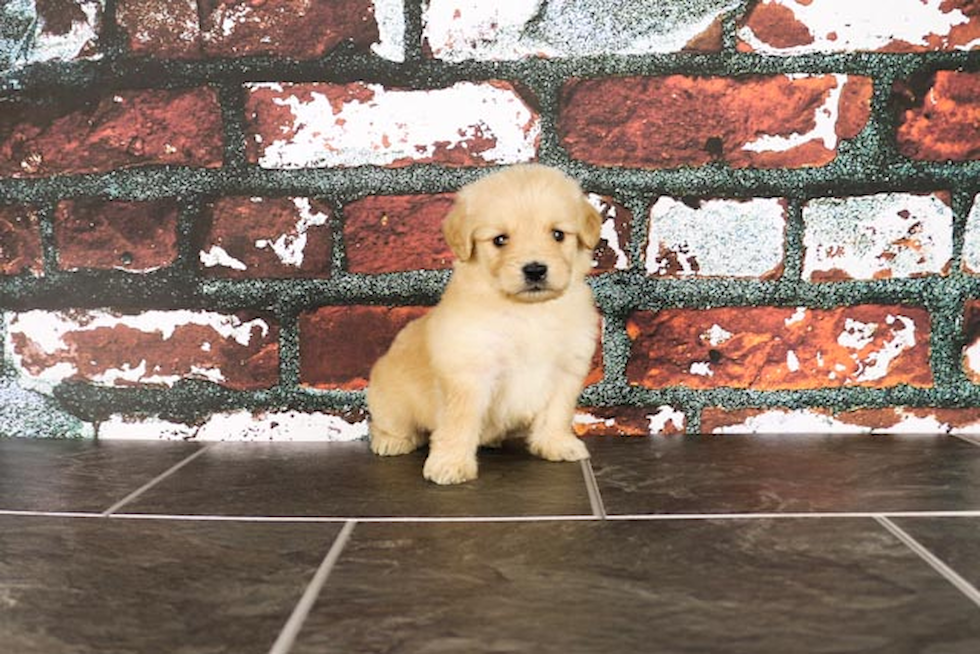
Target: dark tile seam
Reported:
[(191, 517), (592, 488), (290, 630), (153, 482), (934, 561)]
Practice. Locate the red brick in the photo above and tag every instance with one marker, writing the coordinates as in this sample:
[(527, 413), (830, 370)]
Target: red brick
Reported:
[(971, 352), (667, 122), (389, 233), (404, 232), (301, 29), (342, 125), (629, 421), (124, 130), (338, 345), (940, 123), (780, 348), (914, 420), (131, 236), (162, 28), (794, 27), (268, 237), (154, 348), (20, 241)]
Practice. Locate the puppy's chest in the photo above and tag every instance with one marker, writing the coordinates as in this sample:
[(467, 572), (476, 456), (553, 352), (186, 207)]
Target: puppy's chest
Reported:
[(528, 370)]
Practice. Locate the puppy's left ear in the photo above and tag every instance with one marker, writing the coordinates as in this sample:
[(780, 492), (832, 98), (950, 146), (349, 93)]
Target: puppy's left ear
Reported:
[(591, 222), (456, 229)]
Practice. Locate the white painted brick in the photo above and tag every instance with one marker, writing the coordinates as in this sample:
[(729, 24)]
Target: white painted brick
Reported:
[(41, 346), (791, 421), (25, 38), (971, 360), (971, 239), (893, 420), (661, 420), (368, 124), (686, 241), (390, 15), (877, 236), (458, 30), (240, 426), (845, 25)]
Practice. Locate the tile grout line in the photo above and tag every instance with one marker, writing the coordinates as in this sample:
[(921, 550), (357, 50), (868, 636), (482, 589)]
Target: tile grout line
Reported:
[(153, 482), (626, 517), (797, 515), (934, 561), (592, 487), (968, 438), (50, 514), (290, 630)]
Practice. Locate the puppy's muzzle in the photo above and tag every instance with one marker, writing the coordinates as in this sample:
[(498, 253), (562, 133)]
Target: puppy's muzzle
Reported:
[(534, 272)]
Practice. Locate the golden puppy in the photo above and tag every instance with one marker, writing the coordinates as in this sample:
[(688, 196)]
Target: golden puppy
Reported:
[(506, 350)]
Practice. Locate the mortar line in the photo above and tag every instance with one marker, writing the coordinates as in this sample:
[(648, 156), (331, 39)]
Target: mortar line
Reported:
[(592, 488), (290, 630), (153, 482), (934, 561)]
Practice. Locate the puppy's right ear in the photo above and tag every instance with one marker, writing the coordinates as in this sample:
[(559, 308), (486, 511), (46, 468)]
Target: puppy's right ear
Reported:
[(456, 229)]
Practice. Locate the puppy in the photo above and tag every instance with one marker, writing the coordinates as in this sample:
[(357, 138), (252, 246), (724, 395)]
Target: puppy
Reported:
[(508, 347)]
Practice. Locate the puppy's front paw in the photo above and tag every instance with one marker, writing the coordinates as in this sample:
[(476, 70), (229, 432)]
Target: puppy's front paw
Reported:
[(447, 469), (561, 448)]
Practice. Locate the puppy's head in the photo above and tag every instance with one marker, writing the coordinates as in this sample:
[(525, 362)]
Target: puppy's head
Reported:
[(528, 229)]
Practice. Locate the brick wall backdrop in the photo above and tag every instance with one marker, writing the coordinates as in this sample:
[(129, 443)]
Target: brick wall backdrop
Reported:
[(214, 215)]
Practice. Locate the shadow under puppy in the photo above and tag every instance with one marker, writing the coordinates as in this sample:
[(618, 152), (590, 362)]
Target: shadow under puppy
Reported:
[(507, 349)]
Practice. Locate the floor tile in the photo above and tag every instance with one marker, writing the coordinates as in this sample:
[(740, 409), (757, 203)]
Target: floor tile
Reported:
[(80, 475), (955, 540), (735, 474), (346, 480), (115, 585), (786, 585)]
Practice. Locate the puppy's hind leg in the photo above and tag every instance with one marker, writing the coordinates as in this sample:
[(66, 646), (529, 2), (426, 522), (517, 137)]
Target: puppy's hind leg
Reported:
[(393, 431), (386, 443)]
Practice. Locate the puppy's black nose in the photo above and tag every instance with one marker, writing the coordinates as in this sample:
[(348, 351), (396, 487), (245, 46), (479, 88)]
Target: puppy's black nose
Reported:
[(534, 271)]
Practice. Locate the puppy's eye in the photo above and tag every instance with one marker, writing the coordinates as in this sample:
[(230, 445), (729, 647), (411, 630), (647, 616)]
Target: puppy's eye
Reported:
[(558, 235), (500, 240)]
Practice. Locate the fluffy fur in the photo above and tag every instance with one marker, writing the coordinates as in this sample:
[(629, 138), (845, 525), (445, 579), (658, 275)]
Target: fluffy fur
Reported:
[(507, 349)]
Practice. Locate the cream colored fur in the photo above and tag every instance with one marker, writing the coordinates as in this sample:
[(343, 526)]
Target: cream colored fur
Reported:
[(500, 355)]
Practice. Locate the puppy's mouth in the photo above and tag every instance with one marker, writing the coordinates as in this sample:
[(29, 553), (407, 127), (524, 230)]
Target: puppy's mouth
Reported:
[(536, 292)]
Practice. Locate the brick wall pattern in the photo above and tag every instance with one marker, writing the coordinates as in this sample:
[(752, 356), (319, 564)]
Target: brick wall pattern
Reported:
[(214, 215)]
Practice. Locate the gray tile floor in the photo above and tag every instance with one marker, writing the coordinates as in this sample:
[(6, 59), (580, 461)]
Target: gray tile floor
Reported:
[(690, 544)]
